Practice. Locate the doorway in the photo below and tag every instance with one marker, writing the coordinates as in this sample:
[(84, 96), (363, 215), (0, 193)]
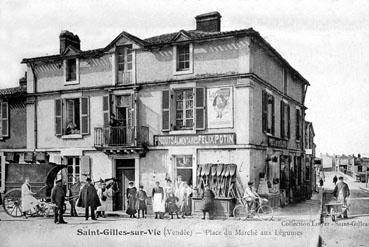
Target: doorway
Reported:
[(125, 172)]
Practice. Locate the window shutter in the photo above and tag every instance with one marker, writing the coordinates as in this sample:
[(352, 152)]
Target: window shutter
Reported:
[(85, 166), (5, 119), (200, 108), (282, 119), (85, 116), (297, 125), (288, 122), (106, 110), (264, 111), (273, 115), (58, 117), (166, 111)]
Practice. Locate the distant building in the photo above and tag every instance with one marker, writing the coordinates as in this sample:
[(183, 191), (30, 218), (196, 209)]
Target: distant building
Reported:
[(327, 162)]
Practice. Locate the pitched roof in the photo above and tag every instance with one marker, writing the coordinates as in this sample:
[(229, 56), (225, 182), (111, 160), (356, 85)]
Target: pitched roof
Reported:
[(13, 91)]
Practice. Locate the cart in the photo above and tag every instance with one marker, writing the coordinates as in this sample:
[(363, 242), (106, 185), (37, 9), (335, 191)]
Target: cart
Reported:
[(41, 177), (335, 208)]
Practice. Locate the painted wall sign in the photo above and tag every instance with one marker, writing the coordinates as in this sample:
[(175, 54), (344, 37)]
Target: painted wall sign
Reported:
[(276, 142), (191, 140), (220, 107)]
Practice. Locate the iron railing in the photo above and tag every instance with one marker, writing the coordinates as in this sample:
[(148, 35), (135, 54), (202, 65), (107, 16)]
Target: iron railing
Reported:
[(125, 77), (121, 136)]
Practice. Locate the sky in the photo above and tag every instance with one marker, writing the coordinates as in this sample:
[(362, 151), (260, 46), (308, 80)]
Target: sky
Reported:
[(326, 41)]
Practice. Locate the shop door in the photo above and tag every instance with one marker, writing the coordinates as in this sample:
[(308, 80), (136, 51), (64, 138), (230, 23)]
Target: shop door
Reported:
[(125, 172)]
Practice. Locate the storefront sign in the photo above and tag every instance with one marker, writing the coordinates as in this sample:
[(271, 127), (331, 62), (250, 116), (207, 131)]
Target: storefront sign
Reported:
[(220, 107), (191, 140), (276, 142)]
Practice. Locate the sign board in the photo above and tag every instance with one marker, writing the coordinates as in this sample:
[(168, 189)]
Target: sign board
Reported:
[(276, 142), (192, 140), (309, 151)]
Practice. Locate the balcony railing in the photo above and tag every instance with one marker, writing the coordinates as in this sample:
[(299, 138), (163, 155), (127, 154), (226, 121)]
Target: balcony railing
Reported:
[(120, 136), (125, 77)]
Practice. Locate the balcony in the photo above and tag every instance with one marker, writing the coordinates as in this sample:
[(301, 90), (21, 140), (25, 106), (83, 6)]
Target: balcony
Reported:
[(125, 77), (120, 136)]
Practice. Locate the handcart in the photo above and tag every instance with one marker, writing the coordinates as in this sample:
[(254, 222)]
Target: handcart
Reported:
[(335, 209)]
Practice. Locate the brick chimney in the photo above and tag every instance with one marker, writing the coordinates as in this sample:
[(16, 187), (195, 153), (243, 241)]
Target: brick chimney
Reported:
[(208, 22), (69, 39), (23, 80)]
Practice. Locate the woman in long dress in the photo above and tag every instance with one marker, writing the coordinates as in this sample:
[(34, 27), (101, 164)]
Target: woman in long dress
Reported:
[(185, 203), (102, 193), (132, 198), (158, 201), (28, 201)]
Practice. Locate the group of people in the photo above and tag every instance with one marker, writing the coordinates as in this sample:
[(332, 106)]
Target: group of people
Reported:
[(171, 199)]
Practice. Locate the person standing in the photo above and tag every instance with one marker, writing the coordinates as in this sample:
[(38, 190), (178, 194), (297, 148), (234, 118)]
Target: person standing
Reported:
[(58, 198), (185, 201), (208, 202), (28, 201), (158, 201), (88, 198), (335, 179), (172, 205), (131, 197), (342, 192), (142, 202), (102, 194)]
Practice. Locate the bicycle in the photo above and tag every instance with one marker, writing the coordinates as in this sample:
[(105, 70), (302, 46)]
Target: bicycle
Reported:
[(259, 211)]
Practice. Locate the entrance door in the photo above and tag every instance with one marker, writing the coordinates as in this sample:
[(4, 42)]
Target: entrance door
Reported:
[(125, 172)]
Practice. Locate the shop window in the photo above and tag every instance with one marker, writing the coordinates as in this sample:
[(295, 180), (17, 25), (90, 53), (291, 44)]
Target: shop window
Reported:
[(298, 124), (72, 116), (183, 109), (124, 64), (184, 168), (73, 167), (285, 120), (268, 117)]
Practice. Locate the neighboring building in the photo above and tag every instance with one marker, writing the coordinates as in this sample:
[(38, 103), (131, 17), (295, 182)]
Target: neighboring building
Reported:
[(327, 162), (13, 129), (156, 108), (345, 163), (310, 147), (360, 168)]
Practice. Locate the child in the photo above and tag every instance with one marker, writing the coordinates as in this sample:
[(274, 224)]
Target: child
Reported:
[(172, 204), (142, 202)]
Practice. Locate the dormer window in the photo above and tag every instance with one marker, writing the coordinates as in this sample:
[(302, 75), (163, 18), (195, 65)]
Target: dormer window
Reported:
[(71, 71), (183, 59), (124, 64)]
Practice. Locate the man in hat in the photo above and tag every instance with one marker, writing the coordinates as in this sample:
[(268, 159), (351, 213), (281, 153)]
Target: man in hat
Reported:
[(342, 192), (250, 195), (208, 202), (58, 198), (88, 198)]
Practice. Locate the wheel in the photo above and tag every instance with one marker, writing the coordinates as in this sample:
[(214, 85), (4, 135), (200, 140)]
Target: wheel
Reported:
[(12, 202), (240, 212), (265, 212)]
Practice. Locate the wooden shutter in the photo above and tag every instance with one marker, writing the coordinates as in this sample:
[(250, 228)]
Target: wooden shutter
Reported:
[(264, 111), (288, 121), (297, 124), (58, 117), (5, 119), (85, 115), (273, 115), (85, 165), (200, 108), (106, 110), (282, 120), (166, 110)]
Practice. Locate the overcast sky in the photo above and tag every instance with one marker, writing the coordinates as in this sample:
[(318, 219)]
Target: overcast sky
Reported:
[(326, 42)]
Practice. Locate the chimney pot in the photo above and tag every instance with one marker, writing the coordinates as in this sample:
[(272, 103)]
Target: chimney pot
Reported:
[(208, 22), (66, 39)]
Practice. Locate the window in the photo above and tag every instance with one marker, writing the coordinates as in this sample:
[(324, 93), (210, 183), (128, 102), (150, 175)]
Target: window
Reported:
[(124, 64), (72, 116), (73, 168), (285, 120), (71, 70), (4, 118), (298, 124), (183, 109), (184, 168), (183, 57), (268, 117)]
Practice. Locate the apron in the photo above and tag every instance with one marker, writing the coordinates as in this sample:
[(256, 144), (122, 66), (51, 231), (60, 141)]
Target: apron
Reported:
[(158, 204)]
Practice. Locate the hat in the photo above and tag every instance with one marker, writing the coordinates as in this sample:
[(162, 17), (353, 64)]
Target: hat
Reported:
[(88, 179), (59, 180), (131, 182), (250, 183), (340, 178)]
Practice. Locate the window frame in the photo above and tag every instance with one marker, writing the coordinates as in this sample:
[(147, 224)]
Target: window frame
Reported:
[(268, 113), (298, 124), (65, 65), (74, 165), (184, 109), (176, 70)]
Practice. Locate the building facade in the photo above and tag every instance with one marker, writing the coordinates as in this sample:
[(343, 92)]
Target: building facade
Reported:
[(161, 108)]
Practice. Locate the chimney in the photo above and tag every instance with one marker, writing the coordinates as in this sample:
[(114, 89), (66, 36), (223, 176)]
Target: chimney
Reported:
[(208, 22), (23, 80), (69, 39)]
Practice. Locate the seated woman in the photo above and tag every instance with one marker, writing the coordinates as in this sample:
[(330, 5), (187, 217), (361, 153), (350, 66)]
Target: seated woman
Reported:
[(71, 129), (28, 201)]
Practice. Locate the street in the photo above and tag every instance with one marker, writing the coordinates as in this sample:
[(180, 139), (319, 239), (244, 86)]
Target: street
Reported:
[(294, 225)]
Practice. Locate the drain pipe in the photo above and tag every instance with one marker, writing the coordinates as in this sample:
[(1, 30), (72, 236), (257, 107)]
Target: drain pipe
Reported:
[(35, 105)]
